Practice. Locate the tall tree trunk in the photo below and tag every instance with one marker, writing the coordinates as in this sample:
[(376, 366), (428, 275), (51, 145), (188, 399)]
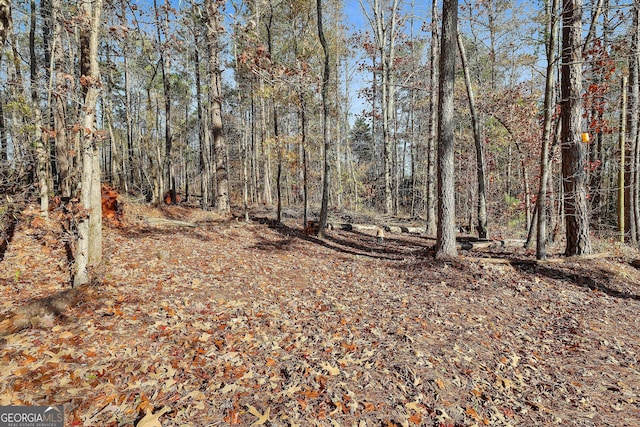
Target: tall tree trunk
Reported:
[(166, 179), (446, 236), (89, 244), (326, 179), (433, 117), (214, 28), (64, 159), (42, 154), (305, 172), (549, 107), (631, 217), (477, 137), (203, 134), (574, 155), (621, 172), (5, 28)]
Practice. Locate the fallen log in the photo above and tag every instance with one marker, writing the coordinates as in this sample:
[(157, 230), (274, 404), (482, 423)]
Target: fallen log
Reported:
[(479, 244), (403, 229)]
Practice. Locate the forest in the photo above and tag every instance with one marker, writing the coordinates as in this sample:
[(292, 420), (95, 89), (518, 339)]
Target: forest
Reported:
[(296, 212), (224, 104)]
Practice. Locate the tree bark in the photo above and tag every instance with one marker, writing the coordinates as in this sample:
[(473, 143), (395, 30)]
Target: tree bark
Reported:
[(5, 28), (432, 142), (483, 232), (41, 152), (631, 209), (324, 210), (89, 244), (384, 34), (574, 155), (549, 107), (446, 235), (214, 27), (166, 177), (621, 172)]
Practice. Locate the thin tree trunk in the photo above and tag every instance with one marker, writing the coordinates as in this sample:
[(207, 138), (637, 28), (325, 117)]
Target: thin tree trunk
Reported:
[(167, 161), (203, 134), (42, 154), (326, 179), (5, 29), (621, 172), (433, 116), (480, 169), (549, 107), (303, 143), (631, 198)]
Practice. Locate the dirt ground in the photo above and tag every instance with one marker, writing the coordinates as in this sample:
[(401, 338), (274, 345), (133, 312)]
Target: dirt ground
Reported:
[(234, 323)]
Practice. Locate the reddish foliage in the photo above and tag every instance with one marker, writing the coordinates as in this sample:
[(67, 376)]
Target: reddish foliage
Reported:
[(111, 207), (168, 200)]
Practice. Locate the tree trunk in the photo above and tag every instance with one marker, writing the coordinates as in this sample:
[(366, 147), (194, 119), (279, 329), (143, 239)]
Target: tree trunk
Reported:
[(446, 236), (166, 180), (214, 27), (574, 173), (64, 159), (203, 136), (89, 244), (326, 179), (631, 198), (432, 142), (549, 107), (621, 172), (5, 28), (477, 137), (41, 152)]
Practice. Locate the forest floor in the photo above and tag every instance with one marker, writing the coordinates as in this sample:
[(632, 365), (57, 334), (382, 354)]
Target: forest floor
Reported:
[(234, 323)]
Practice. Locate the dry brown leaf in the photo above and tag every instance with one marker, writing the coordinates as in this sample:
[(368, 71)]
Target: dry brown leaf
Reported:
[(151, 419), (262, 418)]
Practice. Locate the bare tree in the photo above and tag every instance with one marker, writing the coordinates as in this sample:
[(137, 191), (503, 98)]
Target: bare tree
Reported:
[(431, 143), (477, 137), (385, 37), (549, 106), (324, 210), (446, 236), (632, 207), (5, 28)]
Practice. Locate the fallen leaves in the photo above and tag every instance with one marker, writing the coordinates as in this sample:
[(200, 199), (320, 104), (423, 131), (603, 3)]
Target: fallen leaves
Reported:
[(151, 419), (246, 325), (262, 418)]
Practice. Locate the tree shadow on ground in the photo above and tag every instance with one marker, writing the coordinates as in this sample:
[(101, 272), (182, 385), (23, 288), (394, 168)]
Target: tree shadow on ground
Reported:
[(593, 279), (52, 305), (348, 242)]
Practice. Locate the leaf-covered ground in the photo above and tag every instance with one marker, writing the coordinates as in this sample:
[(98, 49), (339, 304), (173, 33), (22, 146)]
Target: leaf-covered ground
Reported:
[(235, 323)]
